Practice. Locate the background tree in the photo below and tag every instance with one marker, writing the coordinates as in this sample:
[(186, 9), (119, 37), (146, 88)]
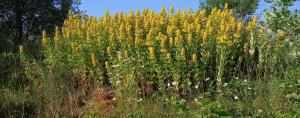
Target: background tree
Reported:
[(242, 8), (23, 20), (279, 17)]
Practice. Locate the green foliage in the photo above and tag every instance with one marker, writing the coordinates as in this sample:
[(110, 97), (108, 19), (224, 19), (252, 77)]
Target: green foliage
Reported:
[(279, 17), (78, 76), (9, 68), (282, 2), (241, 8), (22, 21)]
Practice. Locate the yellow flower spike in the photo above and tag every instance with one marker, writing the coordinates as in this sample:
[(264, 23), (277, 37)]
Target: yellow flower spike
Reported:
[(206, 54), (69, 34), (232, 20), (203, 13), (228, 28), (226, 7), (162, 10), (223, 27), (107, 66), (262, 34), (112, 37), (145, 11), (237, 35), (219, 12), (227, 40), (163, 41), (169, 57), (190, 28), (21, 49), (246, 47), (194, 57), (198, 29), (131, 14), (231, 12), (94, 59), (44, 38), (128, 28), (211, 30), (281, 34), (107, 14), (149, 38), (64, 32), (185, 26), (70, 13), (116, 16), (214, 11), (178, 13), (77, 24), (170, 30), (249, 26), (56, 37), (182, 53), (254, 21), (197, 21), (73, 46), (138, 24), (239, 30), (172, 9), (178, 38), (159, 36), (163, 50), (151, 52), (220, 39), (171, 41), (205, 36), (239, 27), (195, 14), (88, 38), (190, 39), (137, 13), (208, 23), (137, 41), (126, 54), (262, 30), (77, 49), (122, 38), (184, 14), (189, 12), (130, 41), (109, 50)]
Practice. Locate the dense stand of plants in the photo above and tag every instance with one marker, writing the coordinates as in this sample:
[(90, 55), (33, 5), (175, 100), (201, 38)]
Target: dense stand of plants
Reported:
[(170, 56)]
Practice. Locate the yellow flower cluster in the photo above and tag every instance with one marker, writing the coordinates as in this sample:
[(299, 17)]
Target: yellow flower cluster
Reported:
[(151, 52), (94, 59), (21, 49), (44, 38), (166, 34), (281, 34), (194, 58), (253, 24)]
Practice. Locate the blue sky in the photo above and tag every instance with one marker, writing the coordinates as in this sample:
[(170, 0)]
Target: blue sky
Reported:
[(98, 7)]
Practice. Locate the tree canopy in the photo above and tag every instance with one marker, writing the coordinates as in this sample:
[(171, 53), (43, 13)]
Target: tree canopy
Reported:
[(279, 17), (242, 8), (21, 19)]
